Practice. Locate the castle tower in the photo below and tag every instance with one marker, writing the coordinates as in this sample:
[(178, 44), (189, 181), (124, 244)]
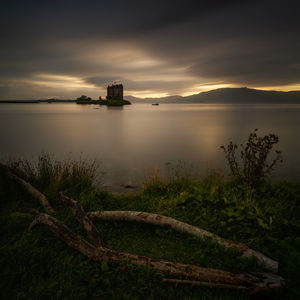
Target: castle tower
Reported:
[(115, 91)]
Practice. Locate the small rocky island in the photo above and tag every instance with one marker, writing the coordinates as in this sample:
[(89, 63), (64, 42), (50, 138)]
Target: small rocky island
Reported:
[(114, 97)]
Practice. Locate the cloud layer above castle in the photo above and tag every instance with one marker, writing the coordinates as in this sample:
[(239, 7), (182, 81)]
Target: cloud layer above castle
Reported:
[(156, 48)]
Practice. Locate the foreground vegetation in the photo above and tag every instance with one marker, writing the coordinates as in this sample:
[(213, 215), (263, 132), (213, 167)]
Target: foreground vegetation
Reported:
[(37, 265)]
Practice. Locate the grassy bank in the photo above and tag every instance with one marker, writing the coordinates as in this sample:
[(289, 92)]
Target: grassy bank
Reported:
[(37, 264)]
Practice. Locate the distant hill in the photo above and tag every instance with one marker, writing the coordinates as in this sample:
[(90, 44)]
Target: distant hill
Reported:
[(169, 99), (228, 95)]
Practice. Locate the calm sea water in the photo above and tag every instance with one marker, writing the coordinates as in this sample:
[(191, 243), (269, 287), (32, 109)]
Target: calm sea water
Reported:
[(131, 141)]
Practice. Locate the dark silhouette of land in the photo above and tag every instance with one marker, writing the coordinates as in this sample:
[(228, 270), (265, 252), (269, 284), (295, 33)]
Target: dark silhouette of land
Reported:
[(38, 101), (224, 95), (229, 95)]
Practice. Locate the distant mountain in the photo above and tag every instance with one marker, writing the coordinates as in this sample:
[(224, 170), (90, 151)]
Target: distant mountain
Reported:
[(228, 95), (169, 99)]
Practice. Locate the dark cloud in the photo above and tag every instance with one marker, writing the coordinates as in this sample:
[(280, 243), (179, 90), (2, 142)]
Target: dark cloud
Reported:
[(156, 46), (142, 85), (268, 65)]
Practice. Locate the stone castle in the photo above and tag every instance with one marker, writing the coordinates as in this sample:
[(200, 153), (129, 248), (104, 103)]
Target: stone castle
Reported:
[(115, 91)]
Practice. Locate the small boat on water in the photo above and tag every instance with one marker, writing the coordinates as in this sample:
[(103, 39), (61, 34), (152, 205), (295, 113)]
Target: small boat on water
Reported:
[(155, 103)]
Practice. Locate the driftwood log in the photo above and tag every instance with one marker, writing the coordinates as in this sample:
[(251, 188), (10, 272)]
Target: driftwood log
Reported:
[(163, 221), (29, 188), (271, 286), (254, 282), (82, 218), (203, 283)]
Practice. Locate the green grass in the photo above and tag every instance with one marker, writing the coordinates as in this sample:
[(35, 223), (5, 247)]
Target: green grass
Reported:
[(37, 264)]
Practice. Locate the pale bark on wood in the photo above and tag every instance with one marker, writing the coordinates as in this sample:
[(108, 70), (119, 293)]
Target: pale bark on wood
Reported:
[(29, 188), (268, 287), (203, 283), (80, 215), (67, 235), (254, 282), (163, 221)]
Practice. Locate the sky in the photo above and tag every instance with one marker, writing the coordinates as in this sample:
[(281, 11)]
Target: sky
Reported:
[(63, 49)]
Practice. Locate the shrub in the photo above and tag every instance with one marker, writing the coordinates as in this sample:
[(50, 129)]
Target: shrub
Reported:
[(49, 173), (84, 98), (253, 166)]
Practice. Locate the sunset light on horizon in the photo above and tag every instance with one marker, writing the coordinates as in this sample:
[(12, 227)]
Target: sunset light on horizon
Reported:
[(152, 52)]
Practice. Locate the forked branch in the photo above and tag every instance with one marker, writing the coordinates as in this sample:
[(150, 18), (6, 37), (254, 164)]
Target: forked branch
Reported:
[(253, 282), (163, 221), (80, 215)]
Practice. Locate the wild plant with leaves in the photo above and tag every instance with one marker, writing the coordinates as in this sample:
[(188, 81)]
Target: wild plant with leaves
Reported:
[(253, 166)]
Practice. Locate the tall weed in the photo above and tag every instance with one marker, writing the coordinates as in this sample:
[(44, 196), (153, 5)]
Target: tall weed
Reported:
[(253, 166), (51, 174)]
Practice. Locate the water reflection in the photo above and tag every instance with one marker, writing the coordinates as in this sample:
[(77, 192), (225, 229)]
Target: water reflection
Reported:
[(131, 139)]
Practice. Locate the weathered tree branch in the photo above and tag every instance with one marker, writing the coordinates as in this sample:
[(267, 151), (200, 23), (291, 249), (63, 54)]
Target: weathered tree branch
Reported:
[(29, 188), (163, 221), (67, 235), (203, 283), (254, 282), (80, 215), (270, 284)]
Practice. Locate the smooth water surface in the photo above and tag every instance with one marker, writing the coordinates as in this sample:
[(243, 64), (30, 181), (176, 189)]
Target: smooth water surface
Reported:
[(129, 141)]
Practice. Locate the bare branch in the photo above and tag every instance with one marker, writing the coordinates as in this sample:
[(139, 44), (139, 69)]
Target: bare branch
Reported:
[(80, 215), (163, 221), (29, 188), (69, 237), (254, 282), (203, 283)]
